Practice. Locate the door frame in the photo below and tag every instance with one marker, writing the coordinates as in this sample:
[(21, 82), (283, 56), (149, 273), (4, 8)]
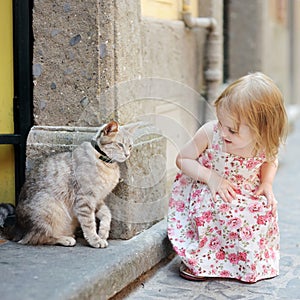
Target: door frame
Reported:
[(22, 102)]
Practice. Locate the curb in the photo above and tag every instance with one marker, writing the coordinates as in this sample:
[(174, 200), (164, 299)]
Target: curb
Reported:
[(80, 272), (141, 254)]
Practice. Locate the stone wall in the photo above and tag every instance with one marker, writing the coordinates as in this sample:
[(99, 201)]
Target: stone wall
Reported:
[(84, 49), (100, 60), (65, 61), (140, 199)]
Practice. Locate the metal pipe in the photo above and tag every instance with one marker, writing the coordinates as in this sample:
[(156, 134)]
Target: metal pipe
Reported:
[(209, 23), (212, 73)]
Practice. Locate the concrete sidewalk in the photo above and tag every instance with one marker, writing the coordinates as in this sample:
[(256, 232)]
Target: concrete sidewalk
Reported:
[(165, 283), (80, 272)]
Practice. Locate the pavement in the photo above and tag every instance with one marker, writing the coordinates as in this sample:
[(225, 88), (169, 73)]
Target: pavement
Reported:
[(80, 272), (164, 282), (145, 266)]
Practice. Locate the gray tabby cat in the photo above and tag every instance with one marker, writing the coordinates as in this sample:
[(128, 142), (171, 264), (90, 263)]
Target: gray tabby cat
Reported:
[(69, 189)]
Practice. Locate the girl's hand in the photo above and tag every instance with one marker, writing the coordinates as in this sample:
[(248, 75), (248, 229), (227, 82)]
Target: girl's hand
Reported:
[(223, 187), (266, 190)]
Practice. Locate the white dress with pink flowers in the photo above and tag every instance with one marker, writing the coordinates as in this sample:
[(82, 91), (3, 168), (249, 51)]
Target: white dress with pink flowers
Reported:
[(217, 239)]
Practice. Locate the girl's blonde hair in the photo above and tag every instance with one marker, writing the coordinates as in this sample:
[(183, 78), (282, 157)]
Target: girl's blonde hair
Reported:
[(256, 101)]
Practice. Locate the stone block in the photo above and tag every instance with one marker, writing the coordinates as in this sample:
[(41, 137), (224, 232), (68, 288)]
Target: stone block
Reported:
[(140, 199)]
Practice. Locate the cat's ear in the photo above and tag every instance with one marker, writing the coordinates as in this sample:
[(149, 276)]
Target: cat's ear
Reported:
[(106, 132), (111, 129)]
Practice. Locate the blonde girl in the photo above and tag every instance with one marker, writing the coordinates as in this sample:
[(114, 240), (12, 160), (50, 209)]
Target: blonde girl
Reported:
[(222, 217)]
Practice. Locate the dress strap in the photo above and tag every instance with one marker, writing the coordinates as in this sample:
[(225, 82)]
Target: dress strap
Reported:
[(216, 142)]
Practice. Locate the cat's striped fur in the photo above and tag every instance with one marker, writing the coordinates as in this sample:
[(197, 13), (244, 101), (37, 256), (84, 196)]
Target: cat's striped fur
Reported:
[(68, 190)]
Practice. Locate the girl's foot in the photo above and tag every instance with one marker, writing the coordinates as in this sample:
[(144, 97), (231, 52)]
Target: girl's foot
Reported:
[(185, 273)]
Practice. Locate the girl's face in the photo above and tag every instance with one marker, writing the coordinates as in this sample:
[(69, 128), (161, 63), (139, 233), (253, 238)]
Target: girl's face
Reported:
[(239, 142)]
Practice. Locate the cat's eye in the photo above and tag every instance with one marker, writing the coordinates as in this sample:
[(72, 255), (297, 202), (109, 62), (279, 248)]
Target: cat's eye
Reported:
[(130, 147), (120, 145)]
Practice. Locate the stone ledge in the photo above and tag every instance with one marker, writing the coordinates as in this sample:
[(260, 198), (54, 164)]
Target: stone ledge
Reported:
[(80, 272)]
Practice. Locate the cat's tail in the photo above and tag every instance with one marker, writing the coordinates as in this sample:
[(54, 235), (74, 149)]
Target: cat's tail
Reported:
[(8, 225), (7, 211)]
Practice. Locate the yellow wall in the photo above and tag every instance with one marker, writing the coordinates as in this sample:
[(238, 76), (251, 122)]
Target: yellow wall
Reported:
[(7, 181), (167, 9)]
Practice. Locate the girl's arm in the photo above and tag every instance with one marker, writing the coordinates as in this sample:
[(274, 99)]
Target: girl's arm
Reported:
[(267, 172), (186, 158), (187, 162)]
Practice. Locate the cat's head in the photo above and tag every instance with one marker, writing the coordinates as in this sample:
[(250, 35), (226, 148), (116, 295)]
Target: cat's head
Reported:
[(115, 141)]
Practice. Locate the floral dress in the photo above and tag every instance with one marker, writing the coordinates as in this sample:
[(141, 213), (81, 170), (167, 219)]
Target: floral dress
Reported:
[(217, 239)]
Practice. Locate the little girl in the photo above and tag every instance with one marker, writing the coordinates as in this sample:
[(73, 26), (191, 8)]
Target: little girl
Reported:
[(222, 217)]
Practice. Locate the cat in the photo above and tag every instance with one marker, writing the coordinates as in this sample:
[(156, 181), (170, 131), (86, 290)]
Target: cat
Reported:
[(68, 190)]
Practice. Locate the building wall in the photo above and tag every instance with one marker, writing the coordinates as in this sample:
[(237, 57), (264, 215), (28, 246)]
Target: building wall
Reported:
[(97, 60), (82, 50), (261, 38), (275, 43), (245, 45), (100, 60), (94, 60), (65, 61), (295, 59)]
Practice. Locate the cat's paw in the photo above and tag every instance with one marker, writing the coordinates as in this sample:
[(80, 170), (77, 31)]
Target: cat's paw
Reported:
[(67, 241), (98, 243), (103, 234)]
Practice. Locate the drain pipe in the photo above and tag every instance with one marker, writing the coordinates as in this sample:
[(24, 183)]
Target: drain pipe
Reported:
[(212, 73)]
